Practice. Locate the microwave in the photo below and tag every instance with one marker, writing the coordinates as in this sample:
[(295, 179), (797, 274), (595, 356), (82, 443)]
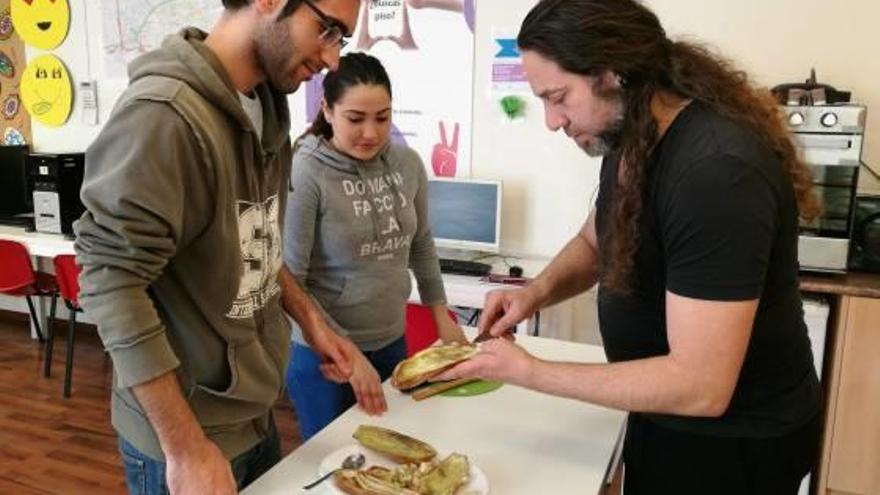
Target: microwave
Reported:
[(865, 246)]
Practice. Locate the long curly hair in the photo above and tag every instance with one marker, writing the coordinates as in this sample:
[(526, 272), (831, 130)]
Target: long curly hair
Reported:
[(590, 37)]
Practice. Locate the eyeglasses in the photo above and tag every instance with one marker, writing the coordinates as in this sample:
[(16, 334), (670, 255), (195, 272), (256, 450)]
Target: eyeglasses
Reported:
[(333, 31)]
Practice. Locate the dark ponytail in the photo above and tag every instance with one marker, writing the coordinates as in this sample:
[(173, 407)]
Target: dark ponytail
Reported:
[(354, 69), (320, 127)]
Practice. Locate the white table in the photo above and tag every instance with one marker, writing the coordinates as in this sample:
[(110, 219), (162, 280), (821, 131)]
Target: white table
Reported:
[(38, 243), (42, 247), (525, 442)]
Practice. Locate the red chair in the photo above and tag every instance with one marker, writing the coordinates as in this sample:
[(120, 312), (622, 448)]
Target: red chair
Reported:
[(18, 278), (67, 273), (421, 331)]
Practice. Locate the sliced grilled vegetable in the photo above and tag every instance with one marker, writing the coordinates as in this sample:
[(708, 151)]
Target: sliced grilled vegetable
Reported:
[(427, 478), (428, 363), (397, 446)]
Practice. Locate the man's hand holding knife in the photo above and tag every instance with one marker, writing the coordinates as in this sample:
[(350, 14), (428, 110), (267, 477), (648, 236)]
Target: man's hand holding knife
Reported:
[(499, 358)]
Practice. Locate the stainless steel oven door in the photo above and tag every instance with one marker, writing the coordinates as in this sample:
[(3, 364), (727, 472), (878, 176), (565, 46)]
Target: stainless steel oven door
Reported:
[(829, 149), (824, 243)]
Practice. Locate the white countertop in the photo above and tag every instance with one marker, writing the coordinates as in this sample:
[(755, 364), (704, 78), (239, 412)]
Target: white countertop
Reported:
[(38, 243), (525, 442)]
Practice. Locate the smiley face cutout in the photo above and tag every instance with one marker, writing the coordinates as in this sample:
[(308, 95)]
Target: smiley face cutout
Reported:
[(41, 23)]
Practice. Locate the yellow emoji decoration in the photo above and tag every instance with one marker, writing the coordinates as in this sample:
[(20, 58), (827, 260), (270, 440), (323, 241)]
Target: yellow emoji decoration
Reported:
[(41, 23), (46, 90)]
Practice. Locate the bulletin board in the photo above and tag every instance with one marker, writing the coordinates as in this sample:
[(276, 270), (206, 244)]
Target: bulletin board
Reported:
[(15, 123)]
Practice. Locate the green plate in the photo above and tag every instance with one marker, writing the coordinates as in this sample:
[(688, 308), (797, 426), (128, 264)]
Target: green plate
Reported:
[(473, 388)]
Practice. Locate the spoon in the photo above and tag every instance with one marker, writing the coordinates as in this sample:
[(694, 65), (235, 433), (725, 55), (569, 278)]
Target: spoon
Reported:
[(353, 461)]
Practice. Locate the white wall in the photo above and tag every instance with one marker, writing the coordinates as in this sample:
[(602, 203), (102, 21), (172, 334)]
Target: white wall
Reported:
[(548, 182), (779, 40)]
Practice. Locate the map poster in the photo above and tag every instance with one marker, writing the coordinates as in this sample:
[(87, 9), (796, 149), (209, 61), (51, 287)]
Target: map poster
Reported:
[(134, 27)]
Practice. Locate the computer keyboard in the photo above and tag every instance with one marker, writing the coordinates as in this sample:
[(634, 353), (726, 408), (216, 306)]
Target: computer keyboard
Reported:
[(462, 267)]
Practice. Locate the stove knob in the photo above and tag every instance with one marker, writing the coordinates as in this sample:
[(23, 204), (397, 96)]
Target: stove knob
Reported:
[(796, 119), (828, 119)]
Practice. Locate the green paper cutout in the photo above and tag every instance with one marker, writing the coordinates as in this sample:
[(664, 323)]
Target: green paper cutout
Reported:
[(513, 106)]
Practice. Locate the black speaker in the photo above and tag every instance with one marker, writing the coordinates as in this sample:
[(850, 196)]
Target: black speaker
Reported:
[(865, 247), (16, 203)]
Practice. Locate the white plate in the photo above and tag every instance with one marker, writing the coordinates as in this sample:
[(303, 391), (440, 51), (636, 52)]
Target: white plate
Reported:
[(477, 484)]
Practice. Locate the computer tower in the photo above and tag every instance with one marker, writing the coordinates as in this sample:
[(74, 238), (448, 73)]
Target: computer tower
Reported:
[(16, 201), (57, 180)]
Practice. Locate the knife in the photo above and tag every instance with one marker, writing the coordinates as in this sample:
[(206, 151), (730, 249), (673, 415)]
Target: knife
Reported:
[(485, 335), (482, 337)]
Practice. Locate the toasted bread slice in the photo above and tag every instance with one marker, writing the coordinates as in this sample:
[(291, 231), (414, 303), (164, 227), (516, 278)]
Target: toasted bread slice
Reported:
[(428, 363)]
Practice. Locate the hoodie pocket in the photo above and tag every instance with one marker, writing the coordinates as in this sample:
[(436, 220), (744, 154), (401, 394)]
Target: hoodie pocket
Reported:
[(255, 381), (372, 301)]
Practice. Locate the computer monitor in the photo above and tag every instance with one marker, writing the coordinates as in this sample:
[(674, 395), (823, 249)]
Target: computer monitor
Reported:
[(465, 214), (16, 204)]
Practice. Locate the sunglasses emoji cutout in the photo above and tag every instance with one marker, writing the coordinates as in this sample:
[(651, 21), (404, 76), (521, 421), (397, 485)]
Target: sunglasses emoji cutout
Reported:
[(41, 23)]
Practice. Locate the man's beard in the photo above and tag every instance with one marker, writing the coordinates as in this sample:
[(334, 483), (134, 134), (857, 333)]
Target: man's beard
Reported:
[(274, 51), (609, 139)]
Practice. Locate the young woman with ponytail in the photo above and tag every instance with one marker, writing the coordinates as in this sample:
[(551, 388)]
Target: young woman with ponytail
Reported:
[(356, 223)]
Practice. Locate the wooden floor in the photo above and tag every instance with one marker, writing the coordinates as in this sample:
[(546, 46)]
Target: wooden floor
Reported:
[(49, 444)]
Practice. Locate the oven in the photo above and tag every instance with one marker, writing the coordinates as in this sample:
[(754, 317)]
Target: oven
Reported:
[(829, 138)]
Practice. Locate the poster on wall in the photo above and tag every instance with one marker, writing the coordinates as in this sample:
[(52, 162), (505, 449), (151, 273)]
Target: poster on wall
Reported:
[(507, 75), (427, 47), (41, 23), (15, 125), (133, 27)]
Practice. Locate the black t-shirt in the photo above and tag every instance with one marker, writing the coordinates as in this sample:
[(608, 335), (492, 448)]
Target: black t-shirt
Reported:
[(719, 222)]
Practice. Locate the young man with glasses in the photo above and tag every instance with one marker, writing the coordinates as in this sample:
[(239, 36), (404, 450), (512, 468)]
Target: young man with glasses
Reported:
[(180, 243)]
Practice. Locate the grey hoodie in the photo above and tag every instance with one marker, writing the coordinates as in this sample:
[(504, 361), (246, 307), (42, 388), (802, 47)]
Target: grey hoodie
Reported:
[(352, 230), (180, 244)]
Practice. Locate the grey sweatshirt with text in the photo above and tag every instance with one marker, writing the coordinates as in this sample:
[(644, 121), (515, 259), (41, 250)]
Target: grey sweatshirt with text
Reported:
[(352, 230)]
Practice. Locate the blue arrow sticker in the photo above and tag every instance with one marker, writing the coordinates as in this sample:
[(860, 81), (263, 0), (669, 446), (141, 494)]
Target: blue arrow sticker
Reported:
[(509, 48)]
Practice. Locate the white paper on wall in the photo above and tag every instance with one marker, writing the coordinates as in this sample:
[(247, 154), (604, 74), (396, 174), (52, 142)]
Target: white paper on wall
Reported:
[(131, 28), (427, 47)]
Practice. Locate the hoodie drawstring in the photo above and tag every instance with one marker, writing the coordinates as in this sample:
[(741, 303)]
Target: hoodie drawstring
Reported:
[(386, 170), (372, 211)]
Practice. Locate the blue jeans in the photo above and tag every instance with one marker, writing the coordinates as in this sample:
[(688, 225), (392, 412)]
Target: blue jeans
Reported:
[(146, 476), (319, 401)]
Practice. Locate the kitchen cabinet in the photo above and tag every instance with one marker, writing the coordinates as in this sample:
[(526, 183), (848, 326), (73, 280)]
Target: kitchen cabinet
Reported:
[(850, 463)]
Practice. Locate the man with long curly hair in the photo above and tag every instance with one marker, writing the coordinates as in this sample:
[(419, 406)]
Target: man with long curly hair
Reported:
[(693, 243)]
